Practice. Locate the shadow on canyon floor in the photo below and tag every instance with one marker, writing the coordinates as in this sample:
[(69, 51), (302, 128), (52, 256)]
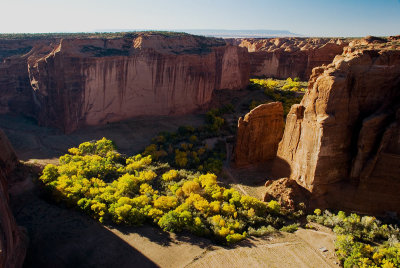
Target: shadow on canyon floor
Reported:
[(61, 237), (258, 174), (250, 180), (31, 141)]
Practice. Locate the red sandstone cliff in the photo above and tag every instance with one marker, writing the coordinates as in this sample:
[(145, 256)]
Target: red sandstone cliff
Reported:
[(12, 241), (258, 134), (16, 94), (70, 82), (342, 140), (290, 57)]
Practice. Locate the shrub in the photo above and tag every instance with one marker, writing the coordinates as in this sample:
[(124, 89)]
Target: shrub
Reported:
[(274, 206), (165, 202), (292, 85), (290, 228), (317, 212), (357, 234), (170, 175), (50, 173), (233, 238), (262, 231), (190, 187), (170, 222), (181, 159)]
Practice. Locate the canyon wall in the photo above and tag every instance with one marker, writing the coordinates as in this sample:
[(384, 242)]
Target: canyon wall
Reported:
[(258, 134), (290, 57), (16, 94), (12, 240), (342, 140), (72, 82)]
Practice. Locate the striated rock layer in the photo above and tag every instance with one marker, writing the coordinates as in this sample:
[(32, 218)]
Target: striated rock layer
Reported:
[(342, 141), (290, 57), (70, 83), (12, 240), (258, 134)]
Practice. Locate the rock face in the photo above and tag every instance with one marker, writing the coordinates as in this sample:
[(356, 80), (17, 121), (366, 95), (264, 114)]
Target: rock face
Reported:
[(290, 57), (259, 133), (16, 94), (12, 241), (91, 81), (342, 140)]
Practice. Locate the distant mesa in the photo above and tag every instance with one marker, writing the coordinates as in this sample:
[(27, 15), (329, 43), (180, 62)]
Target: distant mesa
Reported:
[(222, 33)]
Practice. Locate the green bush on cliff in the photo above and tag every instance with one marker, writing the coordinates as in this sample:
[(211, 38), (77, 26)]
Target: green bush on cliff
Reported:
[(134, 190)]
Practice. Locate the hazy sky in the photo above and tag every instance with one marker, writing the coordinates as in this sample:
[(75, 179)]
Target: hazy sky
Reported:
[(311, 18)]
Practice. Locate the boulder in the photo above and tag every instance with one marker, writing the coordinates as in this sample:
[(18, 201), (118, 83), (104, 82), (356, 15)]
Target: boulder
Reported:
[(287, 192)]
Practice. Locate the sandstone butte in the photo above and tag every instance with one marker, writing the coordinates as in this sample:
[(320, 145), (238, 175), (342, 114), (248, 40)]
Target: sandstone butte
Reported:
[(342, 141), (258, 134), (290, 57), (72, 82), (13, 241)]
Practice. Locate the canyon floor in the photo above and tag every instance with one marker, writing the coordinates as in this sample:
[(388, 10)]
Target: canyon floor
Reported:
[(62, 237)]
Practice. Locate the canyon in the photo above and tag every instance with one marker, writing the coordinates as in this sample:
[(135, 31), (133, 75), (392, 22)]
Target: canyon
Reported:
[(341, 143), (71, 82), (74, 82)]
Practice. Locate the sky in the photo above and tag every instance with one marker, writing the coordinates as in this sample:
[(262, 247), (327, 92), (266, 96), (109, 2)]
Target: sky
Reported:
[(309, 18)]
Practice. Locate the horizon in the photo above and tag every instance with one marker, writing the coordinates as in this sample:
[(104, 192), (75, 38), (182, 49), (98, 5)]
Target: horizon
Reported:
[(311, 18), (259, 33)]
